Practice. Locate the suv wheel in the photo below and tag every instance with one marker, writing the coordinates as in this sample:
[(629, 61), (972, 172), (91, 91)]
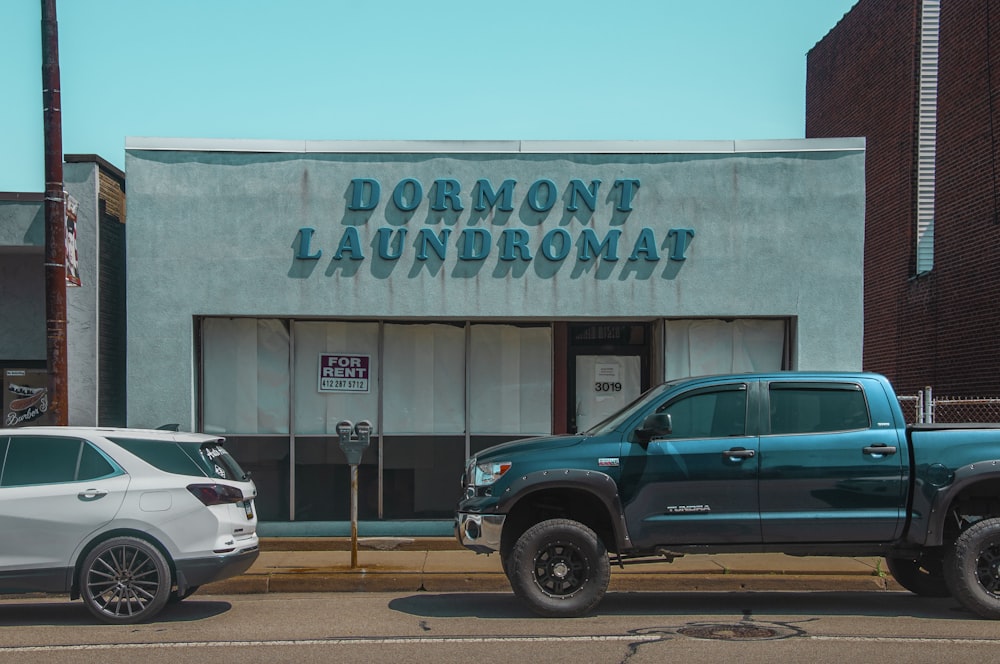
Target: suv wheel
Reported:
[(125, 580), (560, 568), (972, 568)]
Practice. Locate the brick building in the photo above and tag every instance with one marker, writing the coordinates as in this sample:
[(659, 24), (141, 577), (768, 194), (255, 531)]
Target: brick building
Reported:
[(919, 79)]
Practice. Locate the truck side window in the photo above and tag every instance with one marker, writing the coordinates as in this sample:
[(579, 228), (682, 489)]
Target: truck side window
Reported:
[(808, 409), (709, 414)]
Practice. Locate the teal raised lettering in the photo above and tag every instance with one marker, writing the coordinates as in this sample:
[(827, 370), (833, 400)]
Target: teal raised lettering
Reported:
[(350, 243), (305, 238), (385, 243), (645, 245), (486, 197), (682, 238), (476, 244), (437, 243), (407, 202), (364, 194), (548, 246), (588, 243), (447, 189), (589, 196), (515, 240)]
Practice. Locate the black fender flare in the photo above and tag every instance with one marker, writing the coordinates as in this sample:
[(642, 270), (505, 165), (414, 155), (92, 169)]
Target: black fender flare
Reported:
[(941, 500), (601, 485)]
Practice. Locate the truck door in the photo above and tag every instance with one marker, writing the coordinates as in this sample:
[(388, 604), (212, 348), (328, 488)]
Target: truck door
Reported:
[(827, 473), (697, 485)]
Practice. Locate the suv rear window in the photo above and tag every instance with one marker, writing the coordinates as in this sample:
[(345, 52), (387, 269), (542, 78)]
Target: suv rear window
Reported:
[(202, 459)]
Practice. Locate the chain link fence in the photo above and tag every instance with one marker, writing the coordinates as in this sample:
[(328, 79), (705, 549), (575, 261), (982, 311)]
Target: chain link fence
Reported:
[(926, 408)]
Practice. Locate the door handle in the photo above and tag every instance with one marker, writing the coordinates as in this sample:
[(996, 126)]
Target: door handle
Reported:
[(91, 494), (739, 453), (880, 449)]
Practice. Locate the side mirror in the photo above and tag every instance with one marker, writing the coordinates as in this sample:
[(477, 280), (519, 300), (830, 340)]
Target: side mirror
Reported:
[(655, 424)]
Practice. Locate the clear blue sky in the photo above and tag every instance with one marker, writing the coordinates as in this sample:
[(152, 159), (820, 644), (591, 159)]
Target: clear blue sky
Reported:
[(402, 69)]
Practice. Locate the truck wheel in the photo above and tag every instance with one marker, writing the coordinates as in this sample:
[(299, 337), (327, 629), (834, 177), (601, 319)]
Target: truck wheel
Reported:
[(972, 568), (559, 568), (922, 576)]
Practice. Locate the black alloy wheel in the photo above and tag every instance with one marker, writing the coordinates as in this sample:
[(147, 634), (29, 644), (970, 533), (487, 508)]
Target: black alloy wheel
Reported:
[(972, 568), (559, 568)]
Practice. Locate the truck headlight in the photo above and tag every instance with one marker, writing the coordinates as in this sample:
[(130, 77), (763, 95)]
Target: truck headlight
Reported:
[(488, 472)]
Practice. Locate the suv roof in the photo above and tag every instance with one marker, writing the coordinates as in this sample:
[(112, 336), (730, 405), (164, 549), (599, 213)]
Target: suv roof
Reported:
[(117, 432)]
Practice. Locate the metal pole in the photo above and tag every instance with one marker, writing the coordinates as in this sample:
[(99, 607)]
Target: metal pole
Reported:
[(55, 219), (928, 405), (354, 516)]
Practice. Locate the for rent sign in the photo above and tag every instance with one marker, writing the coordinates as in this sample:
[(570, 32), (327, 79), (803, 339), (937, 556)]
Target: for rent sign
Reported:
[(344, 372)]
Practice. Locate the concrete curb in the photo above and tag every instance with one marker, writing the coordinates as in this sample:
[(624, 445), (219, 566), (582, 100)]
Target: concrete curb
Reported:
[(447, 583), (302, 565)]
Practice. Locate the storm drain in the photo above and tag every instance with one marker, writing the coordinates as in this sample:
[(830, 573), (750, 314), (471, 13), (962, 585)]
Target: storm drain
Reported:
[(738, 632)]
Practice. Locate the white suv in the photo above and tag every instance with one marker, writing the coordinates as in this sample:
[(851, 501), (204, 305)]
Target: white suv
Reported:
[(128, 519)]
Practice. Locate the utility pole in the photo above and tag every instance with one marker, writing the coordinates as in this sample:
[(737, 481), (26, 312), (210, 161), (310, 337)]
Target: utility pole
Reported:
[(55, 219)]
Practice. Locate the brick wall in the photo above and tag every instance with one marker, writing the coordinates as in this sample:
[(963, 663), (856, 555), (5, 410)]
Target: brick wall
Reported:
[(941, 329), (967, 232)]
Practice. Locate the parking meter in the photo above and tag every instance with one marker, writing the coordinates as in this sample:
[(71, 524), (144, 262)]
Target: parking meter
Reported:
[(363, 429), (344, 429), (354, 445)]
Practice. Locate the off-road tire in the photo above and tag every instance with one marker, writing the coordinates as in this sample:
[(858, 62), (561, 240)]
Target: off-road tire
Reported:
[(922, 576), (125, 580), (972, 568), (559, 568)]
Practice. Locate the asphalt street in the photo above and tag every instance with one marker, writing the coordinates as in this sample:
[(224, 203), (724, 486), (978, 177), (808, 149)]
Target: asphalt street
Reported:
[(696, 627)]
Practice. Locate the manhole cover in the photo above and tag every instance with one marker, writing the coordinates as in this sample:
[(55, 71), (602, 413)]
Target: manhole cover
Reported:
[(741, 632)]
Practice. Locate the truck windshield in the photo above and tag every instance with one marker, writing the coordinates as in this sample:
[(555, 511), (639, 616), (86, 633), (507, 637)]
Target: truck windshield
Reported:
[(616, 420)]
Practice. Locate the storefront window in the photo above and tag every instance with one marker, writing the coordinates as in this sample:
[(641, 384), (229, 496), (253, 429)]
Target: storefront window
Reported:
[(707, 346), (316, 411), (256, 371), (424, 389), (510, 380), (266, 458), (246, 378), (323, 481), (419, 476)]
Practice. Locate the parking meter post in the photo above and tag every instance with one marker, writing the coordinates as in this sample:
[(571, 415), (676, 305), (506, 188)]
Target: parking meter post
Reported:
[(354, 516), (353, 441), (344, 430), (362, 431)]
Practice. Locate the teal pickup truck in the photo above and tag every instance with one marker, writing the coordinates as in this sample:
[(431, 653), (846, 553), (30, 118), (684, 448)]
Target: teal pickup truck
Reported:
[(802, 463)]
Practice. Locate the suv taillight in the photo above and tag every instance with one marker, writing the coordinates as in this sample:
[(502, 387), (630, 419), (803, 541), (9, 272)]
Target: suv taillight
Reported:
[(216, 494)]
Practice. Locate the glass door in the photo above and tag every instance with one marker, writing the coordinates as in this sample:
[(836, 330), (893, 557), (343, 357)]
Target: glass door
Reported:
[(607, 367)]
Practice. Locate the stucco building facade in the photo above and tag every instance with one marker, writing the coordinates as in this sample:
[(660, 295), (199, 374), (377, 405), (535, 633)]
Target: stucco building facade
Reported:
[(460, 294)]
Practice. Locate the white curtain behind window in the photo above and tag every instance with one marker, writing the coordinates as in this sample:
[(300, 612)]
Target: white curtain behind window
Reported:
[(699, 347), (424, 374), (318, 412), (510, 379), (246, 381)]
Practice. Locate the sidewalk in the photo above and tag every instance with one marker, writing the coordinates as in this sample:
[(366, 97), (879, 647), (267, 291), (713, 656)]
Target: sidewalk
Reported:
[(439, 564)]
